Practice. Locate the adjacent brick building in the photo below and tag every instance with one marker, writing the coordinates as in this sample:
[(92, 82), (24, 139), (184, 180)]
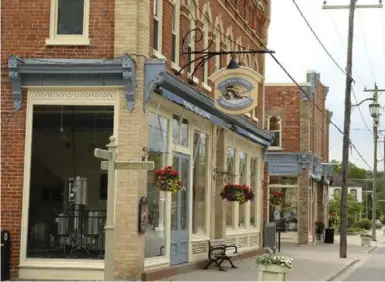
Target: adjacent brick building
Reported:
[(297, 161), (72, 76)]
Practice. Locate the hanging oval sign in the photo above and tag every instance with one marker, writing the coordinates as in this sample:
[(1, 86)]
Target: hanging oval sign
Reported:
[(236, 90)]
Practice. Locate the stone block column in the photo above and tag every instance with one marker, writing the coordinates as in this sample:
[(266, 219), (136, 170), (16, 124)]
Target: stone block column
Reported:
[(132, 35)]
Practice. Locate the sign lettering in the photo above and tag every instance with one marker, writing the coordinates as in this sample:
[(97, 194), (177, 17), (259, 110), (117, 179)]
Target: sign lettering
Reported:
[(130, 165)]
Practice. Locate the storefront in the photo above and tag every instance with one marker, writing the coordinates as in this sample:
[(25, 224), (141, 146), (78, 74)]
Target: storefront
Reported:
[(73, 107), (209, 148), (297, 194)]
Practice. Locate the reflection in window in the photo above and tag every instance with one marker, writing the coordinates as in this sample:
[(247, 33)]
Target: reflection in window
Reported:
[(242, 180), (337, 192), (199, 183), (179, 131), (275, 127), (230, 170), (70, 17), (155, 38), (64, 138), (253, 185), (155, 236), (284, 180), (285, 214)]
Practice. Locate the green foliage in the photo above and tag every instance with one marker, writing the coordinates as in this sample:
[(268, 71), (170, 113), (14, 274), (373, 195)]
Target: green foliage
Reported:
[(353, 230), (365, 223), (353, 208), (353, 170)]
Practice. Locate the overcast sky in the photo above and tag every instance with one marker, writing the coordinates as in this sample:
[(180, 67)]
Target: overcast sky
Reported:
[(298, 50)]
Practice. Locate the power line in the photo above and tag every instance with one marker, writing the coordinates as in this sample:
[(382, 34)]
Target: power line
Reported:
[(330, 56), (366, 46), (282, 67)]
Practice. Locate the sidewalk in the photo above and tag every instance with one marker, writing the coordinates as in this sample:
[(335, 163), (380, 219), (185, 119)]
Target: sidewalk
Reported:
[(318, 262)]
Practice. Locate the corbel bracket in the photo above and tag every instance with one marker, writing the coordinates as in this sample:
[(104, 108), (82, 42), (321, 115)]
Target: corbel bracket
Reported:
[(129, 76), (304, 160), (16, 82), (154, 69)]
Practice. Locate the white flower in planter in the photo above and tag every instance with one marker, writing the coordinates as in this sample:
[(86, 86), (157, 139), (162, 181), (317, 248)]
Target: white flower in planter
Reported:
[(272, 266)]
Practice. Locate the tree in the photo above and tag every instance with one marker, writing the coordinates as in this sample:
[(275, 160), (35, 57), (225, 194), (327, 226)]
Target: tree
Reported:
[(354, 209), (353, 170)]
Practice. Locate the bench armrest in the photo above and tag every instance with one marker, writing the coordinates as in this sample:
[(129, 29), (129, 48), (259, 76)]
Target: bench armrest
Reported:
[(231, 247)]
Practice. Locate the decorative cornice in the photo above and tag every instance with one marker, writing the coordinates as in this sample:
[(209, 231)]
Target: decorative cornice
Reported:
[(75, 72)]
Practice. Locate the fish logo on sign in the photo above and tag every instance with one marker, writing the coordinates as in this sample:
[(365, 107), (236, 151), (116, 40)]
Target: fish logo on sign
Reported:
[(236, 90)]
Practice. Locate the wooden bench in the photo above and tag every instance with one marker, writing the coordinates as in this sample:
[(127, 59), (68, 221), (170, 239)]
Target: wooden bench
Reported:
[(217, 254)]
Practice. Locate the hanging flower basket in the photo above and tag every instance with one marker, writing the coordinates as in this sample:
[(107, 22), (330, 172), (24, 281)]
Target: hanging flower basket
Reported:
[(167, 179), (237, 193), (276, 198)]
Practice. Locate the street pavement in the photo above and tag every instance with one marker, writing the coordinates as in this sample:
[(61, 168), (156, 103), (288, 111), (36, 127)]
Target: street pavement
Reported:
[(373, 269), (319, 262)]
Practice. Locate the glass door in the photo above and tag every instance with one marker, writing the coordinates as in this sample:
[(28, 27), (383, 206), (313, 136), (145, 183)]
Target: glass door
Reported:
[(180, 212)]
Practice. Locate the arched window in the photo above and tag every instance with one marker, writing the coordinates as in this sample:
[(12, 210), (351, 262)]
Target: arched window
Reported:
[(206, 29), (191, 42), (157, 20), (175, 32), (217, 47), (274, 125)]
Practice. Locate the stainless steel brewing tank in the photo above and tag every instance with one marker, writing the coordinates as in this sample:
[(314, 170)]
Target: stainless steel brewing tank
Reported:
[(80, 191), (93, 223)]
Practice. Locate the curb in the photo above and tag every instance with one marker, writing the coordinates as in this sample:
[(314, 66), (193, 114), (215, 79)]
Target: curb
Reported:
[(371, 250), (343, 270)]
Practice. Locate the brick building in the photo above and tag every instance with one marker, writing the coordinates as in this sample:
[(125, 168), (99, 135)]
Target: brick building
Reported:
[(297, 161), (74, 74)]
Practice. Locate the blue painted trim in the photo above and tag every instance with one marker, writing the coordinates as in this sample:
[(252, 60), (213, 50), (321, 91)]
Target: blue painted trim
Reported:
[(68, 72), (174, 98), (251, 136), (155, 75), (317, 168)]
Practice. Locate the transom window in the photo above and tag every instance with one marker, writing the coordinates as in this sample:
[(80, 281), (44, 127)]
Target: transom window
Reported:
[(180, 131)]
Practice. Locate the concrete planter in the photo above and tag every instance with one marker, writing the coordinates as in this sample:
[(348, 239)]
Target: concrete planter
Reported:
[(366, 241), (272, 272)]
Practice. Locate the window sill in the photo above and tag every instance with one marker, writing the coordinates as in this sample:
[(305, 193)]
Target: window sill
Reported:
[(157, 54), (175, 67), (199, 237), (206, 87), (255, 119), (156, 261), (67, 42), (195, 80), (241, 231), (248, 115), (275, 149), (62, 263)]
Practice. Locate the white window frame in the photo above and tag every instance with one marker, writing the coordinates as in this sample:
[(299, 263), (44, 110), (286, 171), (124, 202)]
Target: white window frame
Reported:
[(159, 18), (68, 39), (239, 144), (176, 32), (192, 17), (217, 48), (287, 186), (58, 96), (206, 235), (279, 130), (206, 29), (246, 205)]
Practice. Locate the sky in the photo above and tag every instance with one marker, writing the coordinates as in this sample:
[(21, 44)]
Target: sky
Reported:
[(298, 51)]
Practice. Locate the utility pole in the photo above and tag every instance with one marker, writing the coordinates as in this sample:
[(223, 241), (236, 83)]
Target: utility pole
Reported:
[(346, 137), (375, 142)]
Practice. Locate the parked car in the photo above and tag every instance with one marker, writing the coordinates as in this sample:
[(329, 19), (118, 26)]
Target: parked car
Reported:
[(378, 224)]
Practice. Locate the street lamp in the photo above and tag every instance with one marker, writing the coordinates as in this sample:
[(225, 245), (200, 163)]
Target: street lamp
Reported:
[(374, 110)]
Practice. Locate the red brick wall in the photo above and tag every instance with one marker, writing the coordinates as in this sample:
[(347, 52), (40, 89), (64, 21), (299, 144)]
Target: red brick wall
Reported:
[(25, 27), (284, 101), (231, 15)]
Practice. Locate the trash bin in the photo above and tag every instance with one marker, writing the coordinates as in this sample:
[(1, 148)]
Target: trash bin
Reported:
[(5, 255), (329, 236)]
